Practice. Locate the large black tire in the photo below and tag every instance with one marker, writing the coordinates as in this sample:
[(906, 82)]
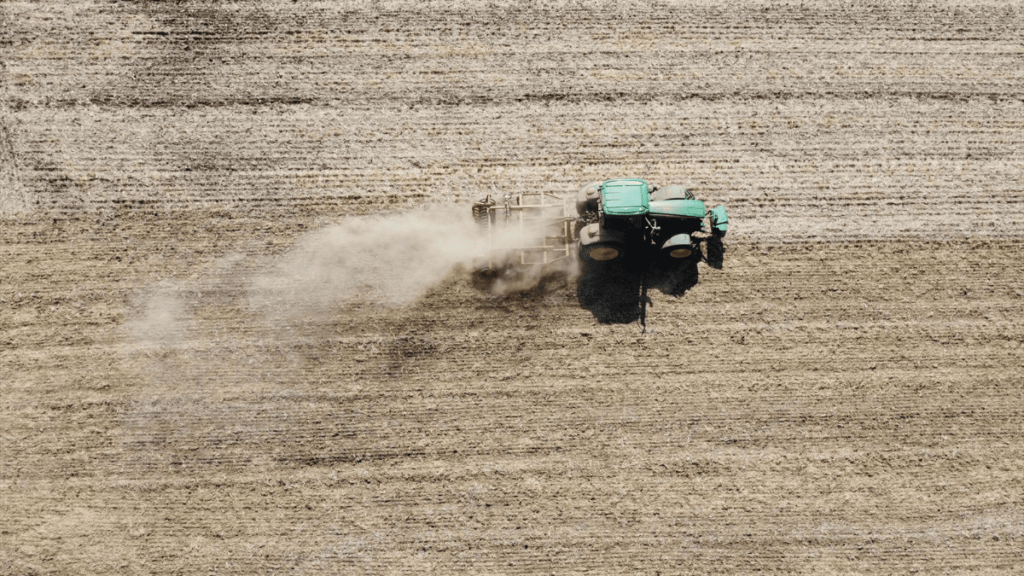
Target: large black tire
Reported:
[(678, 247), (600, 246), (601, 252)]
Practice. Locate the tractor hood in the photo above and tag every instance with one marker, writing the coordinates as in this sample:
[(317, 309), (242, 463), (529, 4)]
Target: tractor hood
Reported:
[(680, 208), (627, 197)]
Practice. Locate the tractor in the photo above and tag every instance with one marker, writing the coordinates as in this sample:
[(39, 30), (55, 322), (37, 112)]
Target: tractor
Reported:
[(627, 235), (629, 218)]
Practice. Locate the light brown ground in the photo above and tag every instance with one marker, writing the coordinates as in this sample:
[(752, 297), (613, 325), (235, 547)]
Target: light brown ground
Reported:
[(844, 397)]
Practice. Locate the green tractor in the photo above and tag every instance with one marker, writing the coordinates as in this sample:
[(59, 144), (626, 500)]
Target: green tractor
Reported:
[(628, 235), (629, 218), (633, 236)]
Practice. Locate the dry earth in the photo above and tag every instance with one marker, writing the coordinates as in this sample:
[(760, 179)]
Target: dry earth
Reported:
[(207, 367)]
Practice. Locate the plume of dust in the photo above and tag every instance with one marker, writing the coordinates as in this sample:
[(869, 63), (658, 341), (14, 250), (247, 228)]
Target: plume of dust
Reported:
[(523, 279), (391, 259), (158, 321)]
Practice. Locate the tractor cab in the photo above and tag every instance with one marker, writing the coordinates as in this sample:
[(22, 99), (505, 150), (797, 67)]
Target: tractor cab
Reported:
[(624, 198), (613, 218)]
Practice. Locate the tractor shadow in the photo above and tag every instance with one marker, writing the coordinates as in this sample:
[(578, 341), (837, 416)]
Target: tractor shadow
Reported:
[(714, 251), (613, 292), (610, 291), (674, 278), (520, 285)]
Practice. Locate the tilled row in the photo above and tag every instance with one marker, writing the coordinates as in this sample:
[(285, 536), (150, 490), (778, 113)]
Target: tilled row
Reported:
[(795, 170), (208, 54)]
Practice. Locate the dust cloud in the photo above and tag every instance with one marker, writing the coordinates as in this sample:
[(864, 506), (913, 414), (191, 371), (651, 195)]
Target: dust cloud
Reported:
[(525, 279), (391, 259), (159, 318)]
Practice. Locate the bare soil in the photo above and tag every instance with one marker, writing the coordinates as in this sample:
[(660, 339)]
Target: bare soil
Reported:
[(181, 390)]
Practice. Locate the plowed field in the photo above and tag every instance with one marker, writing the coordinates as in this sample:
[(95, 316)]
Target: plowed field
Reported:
[(237, 337)]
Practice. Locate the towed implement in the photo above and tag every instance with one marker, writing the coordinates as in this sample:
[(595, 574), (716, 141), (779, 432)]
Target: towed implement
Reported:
[(525, 230)]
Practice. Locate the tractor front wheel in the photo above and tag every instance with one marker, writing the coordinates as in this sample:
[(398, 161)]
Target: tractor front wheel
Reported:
[(678, 247)]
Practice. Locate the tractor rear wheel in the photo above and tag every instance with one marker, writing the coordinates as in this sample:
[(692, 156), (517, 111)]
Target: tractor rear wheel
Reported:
[(603, 252), (597, 245)]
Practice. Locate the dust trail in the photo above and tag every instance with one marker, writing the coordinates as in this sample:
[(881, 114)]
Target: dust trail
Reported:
[(175, 331), (522, 280), (204, 348), (160, 317), (391, 259)]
